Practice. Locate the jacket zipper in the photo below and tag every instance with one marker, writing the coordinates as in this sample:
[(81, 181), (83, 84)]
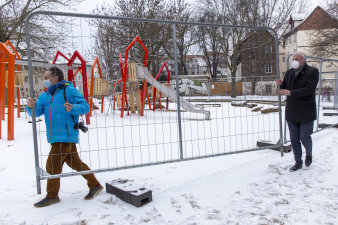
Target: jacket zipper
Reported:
[(50, 121)]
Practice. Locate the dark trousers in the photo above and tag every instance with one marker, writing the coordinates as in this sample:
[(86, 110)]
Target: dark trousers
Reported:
[(300, 133), (65, 153)]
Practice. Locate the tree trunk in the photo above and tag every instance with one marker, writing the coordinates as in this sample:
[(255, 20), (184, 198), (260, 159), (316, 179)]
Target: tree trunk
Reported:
[(233, 84)]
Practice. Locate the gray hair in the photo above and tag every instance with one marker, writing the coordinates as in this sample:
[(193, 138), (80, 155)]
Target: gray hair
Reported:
[(302, 54), (56, 71)]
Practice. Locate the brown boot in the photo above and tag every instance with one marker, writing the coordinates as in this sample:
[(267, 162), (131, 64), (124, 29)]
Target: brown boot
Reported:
[(46, 202), (93, 192)]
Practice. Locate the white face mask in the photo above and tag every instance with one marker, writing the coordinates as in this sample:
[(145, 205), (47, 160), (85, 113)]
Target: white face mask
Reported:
[(46, 83), (295, 64)]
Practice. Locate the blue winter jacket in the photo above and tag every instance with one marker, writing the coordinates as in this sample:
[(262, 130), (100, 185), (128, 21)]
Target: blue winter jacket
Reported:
[(59, 122)]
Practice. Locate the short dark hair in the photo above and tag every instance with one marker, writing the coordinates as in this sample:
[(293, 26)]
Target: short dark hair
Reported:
[(56, 71)]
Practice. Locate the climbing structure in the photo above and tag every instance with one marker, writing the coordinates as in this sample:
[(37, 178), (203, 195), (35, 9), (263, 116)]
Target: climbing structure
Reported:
[(143, 75)]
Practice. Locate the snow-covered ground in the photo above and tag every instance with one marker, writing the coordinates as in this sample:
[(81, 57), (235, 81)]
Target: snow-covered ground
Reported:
[(247, 188)]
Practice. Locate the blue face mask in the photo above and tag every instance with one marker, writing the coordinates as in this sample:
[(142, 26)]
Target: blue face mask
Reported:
[(46, 83)]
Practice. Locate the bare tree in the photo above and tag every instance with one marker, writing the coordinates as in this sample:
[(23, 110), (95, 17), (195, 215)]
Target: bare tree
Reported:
[(209, 39), (45, 35), (325, 40), (153, 35), (180, 10), (270, 13)]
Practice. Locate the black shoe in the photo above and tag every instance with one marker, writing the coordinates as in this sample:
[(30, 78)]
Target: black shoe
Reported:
[(308, 160), (295, 168), (93, 192), (46, 202)]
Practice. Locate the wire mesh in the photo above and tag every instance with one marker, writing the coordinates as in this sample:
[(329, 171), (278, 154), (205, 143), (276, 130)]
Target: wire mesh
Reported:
[(237, 88)]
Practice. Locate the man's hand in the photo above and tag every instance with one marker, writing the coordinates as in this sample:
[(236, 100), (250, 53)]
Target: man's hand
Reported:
[(31, 102), (68, 106), (278, 82), (284, 92)]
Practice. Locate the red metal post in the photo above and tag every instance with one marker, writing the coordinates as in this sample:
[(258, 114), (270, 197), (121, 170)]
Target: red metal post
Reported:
[(10, 94)]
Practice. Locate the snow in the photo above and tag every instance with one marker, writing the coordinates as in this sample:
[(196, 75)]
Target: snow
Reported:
[(248, 188)]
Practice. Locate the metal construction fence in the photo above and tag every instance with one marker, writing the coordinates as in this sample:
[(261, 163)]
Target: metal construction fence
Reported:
[(137, 119), (326, 93)]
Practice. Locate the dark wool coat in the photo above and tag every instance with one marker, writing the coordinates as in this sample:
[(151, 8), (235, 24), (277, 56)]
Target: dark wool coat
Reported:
[(301, 104)]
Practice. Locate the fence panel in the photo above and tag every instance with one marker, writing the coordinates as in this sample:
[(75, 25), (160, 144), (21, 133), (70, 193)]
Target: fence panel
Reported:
[(200, 109)]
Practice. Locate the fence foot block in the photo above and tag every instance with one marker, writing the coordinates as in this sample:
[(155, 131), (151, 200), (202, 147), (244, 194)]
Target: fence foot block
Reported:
[(325, 125), (329, 108), (129, 192), (285, 147), (330, 114)]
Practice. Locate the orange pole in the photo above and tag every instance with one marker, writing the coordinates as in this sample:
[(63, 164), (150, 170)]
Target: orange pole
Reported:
[(10, 94), (9, 44)]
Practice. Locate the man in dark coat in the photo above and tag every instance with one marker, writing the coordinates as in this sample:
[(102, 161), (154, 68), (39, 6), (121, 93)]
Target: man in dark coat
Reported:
[(299, 85)]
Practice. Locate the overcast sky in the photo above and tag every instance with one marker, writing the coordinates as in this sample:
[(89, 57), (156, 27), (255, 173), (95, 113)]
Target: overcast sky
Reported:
[(88, 6)]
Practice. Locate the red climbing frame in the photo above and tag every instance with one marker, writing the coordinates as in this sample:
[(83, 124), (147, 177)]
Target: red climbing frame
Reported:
[(157, 77), (96, 62), (125, 74)]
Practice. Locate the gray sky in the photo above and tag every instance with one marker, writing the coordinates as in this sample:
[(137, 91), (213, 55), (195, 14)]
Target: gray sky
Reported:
[(88, 5)]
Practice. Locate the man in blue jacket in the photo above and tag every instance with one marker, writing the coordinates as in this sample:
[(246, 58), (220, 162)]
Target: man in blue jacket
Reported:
[(61, 106), (299, 85)]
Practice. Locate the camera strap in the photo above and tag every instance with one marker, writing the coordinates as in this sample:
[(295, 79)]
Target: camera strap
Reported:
[(65, 97)]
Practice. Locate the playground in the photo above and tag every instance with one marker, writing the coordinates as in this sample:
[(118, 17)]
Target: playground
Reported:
[(179, 135)]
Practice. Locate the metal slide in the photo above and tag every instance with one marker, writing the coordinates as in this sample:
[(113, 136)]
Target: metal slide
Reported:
[(143, 73)]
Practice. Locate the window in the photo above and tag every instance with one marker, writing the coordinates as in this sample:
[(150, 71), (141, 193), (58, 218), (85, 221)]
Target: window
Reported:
[(268, 68), (283, 58), (268, 48), (268, 88), (295, 37)]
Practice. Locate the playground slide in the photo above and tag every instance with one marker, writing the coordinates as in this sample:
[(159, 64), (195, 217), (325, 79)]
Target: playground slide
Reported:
[(143, 73)]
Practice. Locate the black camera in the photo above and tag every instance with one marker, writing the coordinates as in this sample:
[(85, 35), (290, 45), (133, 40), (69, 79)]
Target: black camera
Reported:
[(80, 125)]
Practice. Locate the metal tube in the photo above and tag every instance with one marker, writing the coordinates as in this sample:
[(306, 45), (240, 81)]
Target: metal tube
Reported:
[(31, 86), (244, 88), (287, 68), (319, 91), (279, 97), (93, 16), (209, 90), (178, 94), (46, 65), (335, 99), (261, 88)]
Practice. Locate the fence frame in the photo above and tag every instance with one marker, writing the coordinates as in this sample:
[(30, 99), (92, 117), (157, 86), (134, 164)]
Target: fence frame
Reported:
[(40, 172)]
